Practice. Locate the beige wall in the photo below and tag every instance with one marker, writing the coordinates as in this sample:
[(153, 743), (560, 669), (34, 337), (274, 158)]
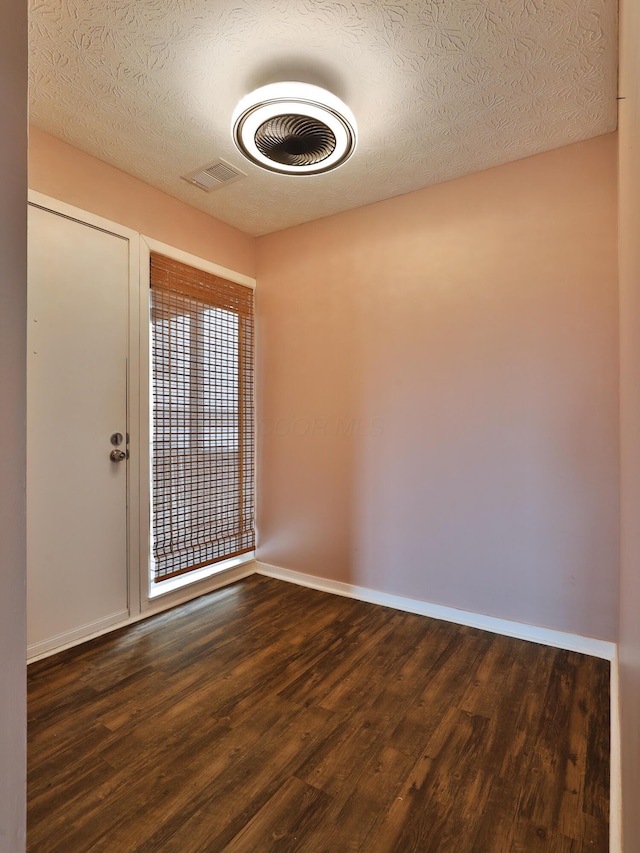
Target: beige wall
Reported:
[(13, 292), (70, 175), (629, 638), (438, 393)]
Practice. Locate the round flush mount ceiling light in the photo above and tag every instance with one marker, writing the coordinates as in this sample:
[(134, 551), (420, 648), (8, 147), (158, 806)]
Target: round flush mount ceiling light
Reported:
[(294, 129)]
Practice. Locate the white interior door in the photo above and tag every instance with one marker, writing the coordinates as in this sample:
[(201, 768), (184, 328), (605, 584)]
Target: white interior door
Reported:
[(78, 290)]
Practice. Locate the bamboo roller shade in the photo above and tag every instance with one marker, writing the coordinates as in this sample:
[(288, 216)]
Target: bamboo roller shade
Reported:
[(203, 418)]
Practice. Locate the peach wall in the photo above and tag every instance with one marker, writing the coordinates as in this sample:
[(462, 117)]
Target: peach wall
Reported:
[(13, 325), (438, 393), (629, 212), (70, 175)]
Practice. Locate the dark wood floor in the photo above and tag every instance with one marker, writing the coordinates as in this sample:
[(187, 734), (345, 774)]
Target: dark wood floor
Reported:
[(269, 717)]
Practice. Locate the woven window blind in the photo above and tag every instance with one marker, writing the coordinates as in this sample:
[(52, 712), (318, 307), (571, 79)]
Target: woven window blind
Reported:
[(203, 418)]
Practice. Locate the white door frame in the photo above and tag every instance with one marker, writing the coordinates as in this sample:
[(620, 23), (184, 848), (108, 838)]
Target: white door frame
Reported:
[(44, 202)]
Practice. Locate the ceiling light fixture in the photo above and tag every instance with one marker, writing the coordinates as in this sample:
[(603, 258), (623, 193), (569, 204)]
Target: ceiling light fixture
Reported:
[(294, 129)]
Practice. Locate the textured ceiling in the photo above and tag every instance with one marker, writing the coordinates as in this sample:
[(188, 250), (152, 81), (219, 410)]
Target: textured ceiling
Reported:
[(439, 88)]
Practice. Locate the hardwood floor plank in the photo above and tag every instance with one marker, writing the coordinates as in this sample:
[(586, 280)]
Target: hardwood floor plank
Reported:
[(336, 759), (441, 687), (140, 796), (488, 680), (285, 821), (64, 796), (226, 807), (596, 770), (529, 837), (357, 641), (60, 767), (515, 721), (436, 796), (359, 686), (552, 756), (366, 795)]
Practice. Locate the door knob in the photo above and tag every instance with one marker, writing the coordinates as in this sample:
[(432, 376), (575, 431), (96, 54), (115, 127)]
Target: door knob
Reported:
[(118, 455)]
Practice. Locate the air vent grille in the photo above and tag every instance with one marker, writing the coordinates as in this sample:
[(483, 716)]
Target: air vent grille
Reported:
[(214, 175)]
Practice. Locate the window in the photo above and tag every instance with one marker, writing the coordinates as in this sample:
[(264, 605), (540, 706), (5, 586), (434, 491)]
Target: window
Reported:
[(202, 471)]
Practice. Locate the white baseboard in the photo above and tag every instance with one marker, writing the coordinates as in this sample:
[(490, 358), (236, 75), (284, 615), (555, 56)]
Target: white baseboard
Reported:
[(519, 630), (46, 648), (615, 786)]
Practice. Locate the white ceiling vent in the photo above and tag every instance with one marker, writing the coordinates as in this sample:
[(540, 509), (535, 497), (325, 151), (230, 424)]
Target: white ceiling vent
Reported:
[(214, 175)]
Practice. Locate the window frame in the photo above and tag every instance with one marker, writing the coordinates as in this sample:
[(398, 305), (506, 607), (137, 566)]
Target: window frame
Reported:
[(201, 580)]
